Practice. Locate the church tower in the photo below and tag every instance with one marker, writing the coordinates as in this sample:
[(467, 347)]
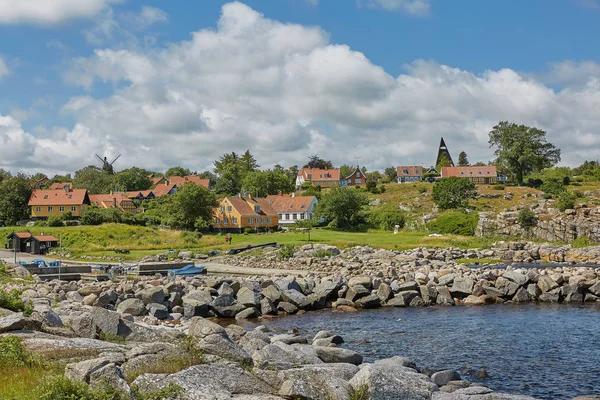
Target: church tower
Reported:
[(443, 153)]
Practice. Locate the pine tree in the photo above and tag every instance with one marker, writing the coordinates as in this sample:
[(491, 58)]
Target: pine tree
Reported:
[(462, 159)]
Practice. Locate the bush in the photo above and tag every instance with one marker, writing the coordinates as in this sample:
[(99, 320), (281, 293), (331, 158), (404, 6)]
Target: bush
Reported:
[(322, 253), (386, 220), (534, 183), (453, 192), (13, 353), (455, 223), (578, 193), (498, 186), (382, 189), (372, 187), (527, 219), (55, 221), (13, 302), (553, 187), (566, 200), (248, 230), (582, 241), (287, 251), (422, 190)]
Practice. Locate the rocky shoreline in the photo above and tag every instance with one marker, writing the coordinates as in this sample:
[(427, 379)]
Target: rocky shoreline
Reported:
[(153, 315)]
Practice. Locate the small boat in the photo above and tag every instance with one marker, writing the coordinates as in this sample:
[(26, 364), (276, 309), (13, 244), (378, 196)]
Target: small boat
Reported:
[(188, 270)]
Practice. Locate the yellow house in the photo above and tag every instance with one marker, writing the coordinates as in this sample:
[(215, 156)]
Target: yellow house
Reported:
[(45, 203), (237, 213), (114, 200)]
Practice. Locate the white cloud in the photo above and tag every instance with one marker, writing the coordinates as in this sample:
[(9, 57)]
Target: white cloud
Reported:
[(45, 13), (572, 73), (411, 7), (285, 92), (3, 69)]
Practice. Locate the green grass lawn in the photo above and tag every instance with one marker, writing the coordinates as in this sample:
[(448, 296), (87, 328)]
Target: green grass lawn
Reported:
[(99, 241)]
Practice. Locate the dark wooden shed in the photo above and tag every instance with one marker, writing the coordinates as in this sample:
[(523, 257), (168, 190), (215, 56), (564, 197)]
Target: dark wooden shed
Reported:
[(41, 244), (18, 240)]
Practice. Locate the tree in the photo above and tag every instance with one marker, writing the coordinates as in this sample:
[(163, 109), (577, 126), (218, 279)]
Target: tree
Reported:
[(479, 164), (374, 176), (94, 179), (210, 176), (14, 198), (341, 207), (228, 185), (462, 159), (445, 161), (233, 168), (316, 162), (522, 149), (391, 173), (133, 179), (177, 171), (191, 207), (264, 183), (453, 192), (248, 163), (346, 171), (4, 174)]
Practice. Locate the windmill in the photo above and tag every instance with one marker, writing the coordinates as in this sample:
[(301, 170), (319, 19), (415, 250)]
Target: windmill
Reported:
[(106, 165)]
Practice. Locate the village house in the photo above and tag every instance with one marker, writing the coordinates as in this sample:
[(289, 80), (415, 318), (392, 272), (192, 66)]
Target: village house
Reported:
[(18, 241), (357, 178), (41, 244), (235, 214), (319, 177), (114, 200), (60, 185), (409, 173), (45, 203), (163, 189), (182, 180), (141, 195), (291, 209), (479, 175)]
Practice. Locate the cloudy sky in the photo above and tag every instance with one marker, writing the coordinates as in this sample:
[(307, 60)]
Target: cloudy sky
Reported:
[(180, 83)]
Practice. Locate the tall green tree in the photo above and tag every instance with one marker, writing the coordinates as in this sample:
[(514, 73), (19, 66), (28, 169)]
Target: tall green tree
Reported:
[(445, 161), (522, 149), (317, 162), (346, 170), (94, 179), (190, 208), (14, 196), (264, 183), (341, 207), (391, 173), (232, 169), (177, 171), (132, 179), (462, 159), (4, 174), (453, 192)]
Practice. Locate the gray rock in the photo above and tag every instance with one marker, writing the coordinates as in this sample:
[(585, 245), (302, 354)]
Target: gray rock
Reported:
[(371, 301), (319, 382), (223, 300), (462, 287), (247, 313), (289, 338), (546, 283), (398, 361), (384, 292), (198, 297), (228, 311), (17, 322), (106, 321), (444, 296), (284, 356), (338, 355), (595, 289), (412, 285), (267, 307), (106, 298), (442, 378), (522, 296), (109, 375), (356, 292), (81, 371), (326, 287), (158, 311), (74, 296), (392, 382), (248, 298), (272, 293), (213, 339), (446, 280), (154, 294), (133, 307), (287, 307), (515, 277), (83, 326), (295, 297)]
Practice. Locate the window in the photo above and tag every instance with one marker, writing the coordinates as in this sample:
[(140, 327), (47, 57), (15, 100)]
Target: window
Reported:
[(222, 209), (249, 220), (295, 216), (256, 208), (405, 171), (50, 208), (73, 208), (263, 220), (234, 220), (61, 208), (287, 216), (45, 196), (358, 174), (268, 220), (229, 208), (302, 216), (280, 216), (38, 209), (218, 220), (358, 180), (256, 220), (225, 221)]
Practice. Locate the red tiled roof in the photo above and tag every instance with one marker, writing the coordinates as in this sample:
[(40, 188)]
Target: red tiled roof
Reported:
[(45, 238), (182, 180), (58, 197), (316, 174), (245, 206), (161, 189), (144, 193), (157, 179), (409, 170), (282, 204), (468, 172), (109, 200), (22, 235), (60, 185)]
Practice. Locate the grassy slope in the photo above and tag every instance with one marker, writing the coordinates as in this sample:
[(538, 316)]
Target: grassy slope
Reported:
[(415, 198)]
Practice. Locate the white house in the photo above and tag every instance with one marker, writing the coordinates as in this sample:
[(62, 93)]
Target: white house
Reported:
[(291, 209)]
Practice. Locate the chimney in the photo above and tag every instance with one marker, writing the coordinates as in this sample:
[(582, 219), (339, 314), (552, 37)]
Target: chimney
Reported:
[(115, 201), (67, 187), (249, 196)]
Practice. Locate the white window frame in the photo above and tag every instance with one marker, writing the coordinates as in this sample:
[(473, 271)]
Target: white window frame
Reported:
[(294, 216), (38, 209), (61, 209), (73, 208), (50, 209)]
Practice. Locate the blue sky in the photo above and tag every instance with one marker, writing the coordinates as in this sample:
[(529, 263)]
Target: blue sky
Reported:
[(411, 71)]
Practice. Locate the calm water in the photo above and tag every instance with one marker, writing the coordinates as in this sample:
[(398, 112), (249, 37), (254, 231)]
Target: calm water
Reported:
[(549, 352)]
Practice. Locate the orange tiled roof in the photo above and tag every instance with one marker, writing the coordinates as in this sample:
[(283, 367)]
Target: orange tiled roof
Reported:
[(60, 185), (109, 200), (245, 206), (144, 193), (282, 204), (409, 170), (316, 174), (468, 172), (58, 197), (45, 238), (22, 235), (161, 190), (182, 180)]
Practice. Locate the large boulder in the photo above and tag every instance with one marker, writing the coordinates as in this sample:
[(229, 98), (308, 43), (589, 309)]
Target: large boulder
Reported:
[(106, 321), (134, 307), (17, 322), (462, 287), (393, 382), (213, 339), (248, 298), (153, 294), (296, 298), (318, 382), (442, 378), (284, 356), (338, 355), (515, 277)]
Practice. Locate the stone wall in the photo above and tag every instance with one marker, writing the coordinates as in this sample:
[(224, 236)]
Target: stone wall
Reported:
[(552, 225)]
